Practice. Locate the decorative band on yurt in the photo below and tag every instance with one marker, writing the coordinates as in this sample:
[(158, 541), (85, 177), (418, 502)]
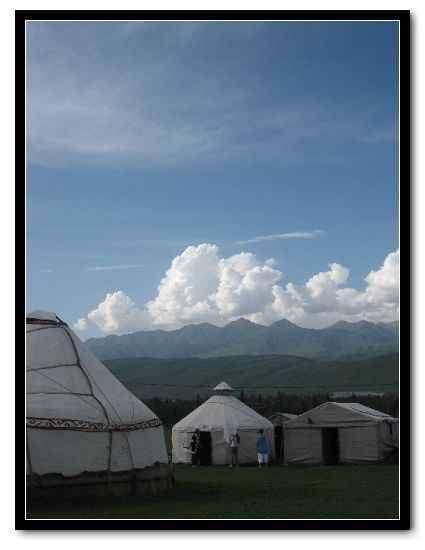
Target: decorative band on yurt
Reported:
[(48, 322), (86, 426)]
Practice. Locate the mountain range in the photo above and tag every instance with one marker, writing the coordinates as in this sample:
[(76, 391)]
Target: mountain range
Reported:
[(342, 340)]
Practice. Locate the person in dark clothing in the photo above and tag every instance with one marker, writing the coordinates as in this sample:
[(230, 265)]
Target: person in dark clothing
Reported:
[(195, 448)]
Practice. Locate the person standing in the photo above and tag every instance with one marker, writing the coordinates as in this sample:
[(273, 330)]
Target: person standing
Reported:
[(195, 448), (234, 449), (262, 449)]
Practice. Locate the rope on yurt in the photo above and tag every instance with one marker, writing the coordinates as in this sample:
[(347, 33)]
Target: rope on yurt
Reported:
[(105, 412), (46, 327), (93, 382), (33, 480), (27, 444), (125, 435), (133, 463), (134, 487), (68, 391), (28, 451), (53, 367), (132, 410), (119, 416)]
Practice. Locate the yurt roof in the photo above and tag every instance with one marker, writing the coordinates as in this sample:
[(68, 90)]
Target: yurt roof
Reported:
[(223, 412), (223, 386), (333, 413), (66, 382), (282, 416), (362, 409), (42, 315)]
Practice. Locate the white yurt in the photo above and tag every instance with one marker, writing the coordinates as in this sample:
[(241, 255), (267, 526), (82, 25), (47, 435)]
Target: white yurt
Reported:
[(336, 433), (85, 431), (217, 419)]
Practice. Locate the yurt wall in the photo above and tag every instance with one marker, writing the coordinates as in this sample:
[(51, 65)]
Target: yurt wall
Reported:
[(303, 446)]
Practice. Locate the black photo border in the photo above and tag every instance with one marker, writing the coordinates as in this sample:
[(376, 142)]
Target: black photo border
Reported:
[(404, 521)]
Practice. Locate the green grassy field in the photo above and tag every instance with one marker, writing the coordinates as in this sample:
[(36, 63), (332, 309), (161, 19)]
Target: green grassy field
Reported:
[(279, 492)]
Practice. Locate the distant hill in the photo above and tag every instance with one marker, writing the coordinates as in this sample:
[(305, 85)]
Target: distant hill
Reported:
[(150, 377), (242, 337)]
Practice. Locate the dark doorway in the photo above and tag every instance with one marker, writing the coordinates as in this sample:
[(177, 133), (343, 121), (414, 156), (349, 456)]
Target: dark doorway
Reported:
[(205, 454), (278, 443), (330, 445)]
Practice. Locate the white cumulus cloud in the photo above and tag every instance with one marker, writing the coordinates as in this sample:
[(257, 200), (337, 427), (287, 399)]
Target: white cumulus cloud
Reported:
[(184, 293), (202, 286), (245, 286), (117, 313), (81, 325)]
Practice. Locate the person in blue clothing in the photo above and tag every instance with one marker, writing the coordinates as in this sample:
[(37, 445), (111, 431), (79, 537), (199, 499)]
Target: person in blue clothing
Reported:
[(262, 449)]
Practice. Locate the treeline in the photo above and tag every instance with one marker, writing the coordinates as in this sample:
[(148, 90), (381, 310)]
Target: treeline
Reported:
[(171, 411)]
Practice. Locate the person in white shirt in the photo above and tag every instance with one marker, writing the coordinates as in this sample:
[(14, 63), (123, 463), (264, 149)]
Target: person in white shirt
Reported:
[(262, 449), (234, 448)]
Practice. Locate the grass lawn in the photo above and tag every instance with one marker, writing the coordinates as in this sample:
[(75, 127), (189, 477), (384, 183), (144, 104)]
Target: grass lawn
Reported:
[(279, 492)]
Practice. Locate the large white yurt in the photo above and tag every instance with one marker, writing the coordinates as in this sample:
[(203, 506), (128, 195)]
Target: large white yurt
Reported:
[(86, 433), (217, 419), (336, 433)]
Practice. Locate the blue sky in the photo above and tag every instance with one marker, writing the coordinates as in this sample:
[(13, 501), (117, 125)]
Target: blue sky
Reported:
[(145, 138)]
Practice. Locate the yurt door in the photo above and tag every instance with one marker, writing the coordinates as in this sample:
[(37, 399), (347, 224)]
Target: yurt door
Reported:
[(279, 442), (205, 449), (330, 445)]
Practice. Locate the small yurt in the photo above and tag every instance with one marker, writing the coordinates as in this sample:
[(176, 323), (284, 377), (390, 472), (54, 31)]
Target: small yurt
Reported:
[(217, 419), (336, 433), (86, 433)]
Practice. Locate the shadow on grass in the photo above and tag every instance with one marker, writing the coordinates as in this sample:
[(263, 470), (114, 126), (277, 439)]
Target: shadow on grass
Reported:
[(276, 492)]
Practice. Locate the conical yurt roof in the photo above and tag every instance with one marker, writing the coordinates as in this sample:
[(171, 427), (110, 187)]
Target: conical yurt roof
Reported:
[(224, 412), (68, 388), (223, 386), (78, 384)]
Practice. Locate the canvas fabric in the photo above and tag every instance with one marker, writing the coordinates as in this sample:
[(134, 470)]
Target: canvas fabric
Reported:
[(79, 416), (303, 446)]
